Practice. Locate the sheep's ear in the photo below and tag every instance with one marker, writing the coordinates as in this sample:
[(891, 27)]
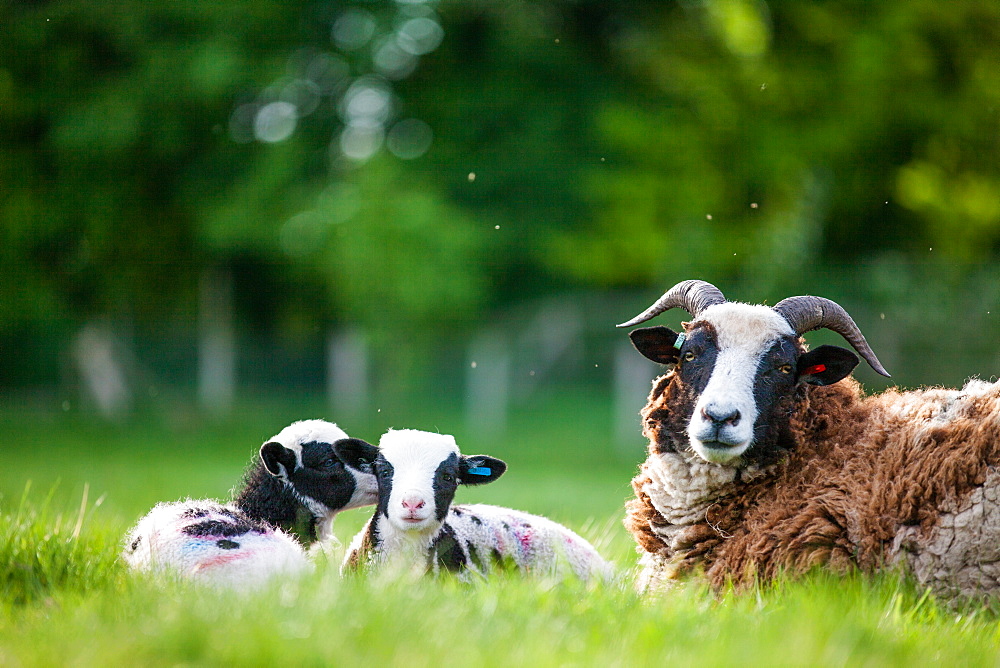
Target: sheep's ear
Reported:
[(826, 365), (656, 343), (480, 469), (278, 460), (356, 454)]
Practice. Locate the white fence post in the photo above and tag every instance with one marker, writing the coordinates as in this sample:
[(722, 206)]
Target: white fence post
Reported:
[(347, 372), (97, 357), (216, 343), (487, 384)]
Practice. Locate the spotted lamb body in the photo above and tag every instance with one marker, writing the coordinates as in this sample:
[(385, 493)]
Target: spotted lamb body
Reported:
[(416, 525), (764, 458), (298, 485)]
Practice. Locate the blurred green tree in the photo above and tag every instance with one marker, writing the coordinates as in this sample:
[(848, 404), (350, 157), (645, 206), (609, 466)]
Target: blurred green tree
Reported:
[(382, 162)]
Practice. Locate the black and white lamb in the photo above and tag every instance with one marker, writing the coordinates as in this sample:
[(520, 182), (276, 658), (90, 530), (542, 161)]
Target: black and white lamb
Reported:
[(298, 485), (415, 525)]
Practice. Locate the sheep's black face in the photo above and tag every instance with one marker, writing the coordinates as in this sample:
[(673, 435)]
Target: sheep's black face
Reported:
[(729, 398), (319, 475), (445, 483), (324, 477)]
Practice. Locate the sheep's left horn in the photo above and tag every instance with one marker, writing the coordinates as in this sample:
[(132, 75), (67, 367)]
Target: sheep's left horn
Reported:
[(692, 296), (807, 313)]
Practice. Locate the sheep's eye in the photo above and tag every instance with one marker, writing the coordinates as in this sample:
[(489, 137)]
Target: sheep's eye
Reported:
[(785, 368), (328, 463), (689, 356), (385, 475), (447, 477)]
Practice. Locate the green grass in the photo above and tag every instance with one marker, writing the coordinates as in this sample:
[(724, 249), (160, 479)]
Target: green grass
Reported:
[(66, 600)]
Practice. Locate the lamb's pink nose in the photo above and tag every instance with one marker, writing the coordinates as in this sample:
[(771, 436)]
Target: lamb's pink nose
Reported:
[(412, 503)]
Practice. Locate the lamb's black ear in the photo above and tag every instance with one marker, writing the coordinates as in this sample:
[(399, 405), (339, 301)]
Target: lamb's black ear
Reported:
[(356, 454), (656, 343), (480, 469), (826, 365), (278, 460)]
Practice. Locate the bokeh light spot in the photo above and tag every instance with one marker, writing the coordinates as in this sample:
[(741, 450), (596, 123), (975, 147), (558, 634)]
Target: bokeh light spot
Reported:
[(353, 29), (361, 141), (420, 36), (275, 122), (409, 139), (367, 100), (393, 62)]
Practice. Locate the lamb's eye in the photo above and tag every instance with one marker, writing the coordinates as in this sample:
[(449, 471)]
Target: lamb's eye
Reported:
[(385, 474), (447, 477), (785, 368), (328, 463), (689, 356)]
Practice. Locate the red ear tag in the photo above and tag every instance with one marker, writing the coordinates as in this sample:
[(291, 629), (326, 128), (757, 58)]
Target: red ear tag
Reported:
[(814, 369)]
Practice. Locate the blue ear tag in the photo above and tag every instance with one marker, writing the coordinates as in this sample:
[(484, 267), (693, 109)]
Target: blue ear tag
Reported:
[(480, 470), (680, 340)]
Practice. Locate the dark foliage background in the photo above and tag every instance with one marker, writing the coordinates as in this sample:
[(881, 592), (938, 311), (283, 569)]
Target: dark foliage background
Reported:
[(422, 172)]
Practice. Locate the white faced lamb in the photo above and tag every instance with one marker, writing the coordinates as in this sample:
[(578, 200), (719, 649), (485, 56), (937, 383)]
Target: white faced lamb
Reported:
[(764, 458), (298, 483), (416, 526)]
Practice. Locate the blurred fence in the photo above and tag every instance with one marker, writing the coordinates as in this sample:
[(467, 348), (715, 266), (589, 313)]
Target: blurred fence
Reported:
[(515, 355)]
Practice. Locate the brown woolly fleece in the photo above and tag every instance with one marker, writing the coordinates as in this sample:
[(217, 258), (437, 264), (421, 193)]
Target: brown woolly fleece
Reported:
[(898, 478)]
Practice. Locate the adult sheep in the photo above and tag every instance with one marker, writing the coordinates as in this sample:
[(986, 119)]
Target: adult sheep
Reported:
[(765, 458)]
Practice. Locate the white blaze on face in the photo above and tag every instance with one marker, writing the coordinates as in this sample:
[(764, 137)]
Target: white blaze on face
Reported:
[(415, 457), (744, 334), (365, 490)]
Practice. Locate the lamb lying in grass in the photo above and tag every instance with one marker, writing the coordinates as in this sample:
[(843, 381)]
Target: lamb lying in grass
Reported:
[(248, 541), (416, 525)]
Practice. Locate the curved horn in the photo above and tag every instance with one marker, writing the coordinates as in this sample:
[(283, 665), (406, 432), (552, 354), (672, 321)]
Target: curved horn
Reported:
[(807, 313), (692, 296)]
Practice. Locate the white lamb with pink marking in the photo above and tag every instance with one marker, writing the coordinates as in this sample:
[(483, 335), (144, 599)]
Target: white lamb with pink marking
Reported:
[(215, 543), (295, 486), (416, 526)]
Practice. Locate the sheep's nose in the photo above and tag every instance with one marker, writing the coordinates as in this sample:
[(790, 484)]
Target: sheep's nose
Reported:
[(413, 503), (721, 415)]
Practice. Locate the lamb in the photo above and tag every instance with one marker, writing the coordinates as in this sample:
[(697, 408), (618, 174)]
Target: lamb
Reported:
[(416, 525), (298, 485), (765, 458)]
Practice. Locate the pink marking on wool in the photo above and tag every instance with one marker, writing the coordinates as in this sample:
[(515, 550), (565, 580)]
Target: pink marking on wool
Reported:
[(525, 539), (222, 560)]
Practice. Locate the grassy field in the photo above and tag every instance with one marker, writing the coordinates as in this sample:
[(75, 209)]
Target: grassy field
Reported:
[(70, 487)]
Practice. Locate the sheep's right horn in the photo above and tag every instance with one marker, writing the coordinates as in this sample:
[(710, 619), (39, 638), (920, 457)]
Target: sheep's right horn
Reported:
[(807, 313), (692, 296)]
